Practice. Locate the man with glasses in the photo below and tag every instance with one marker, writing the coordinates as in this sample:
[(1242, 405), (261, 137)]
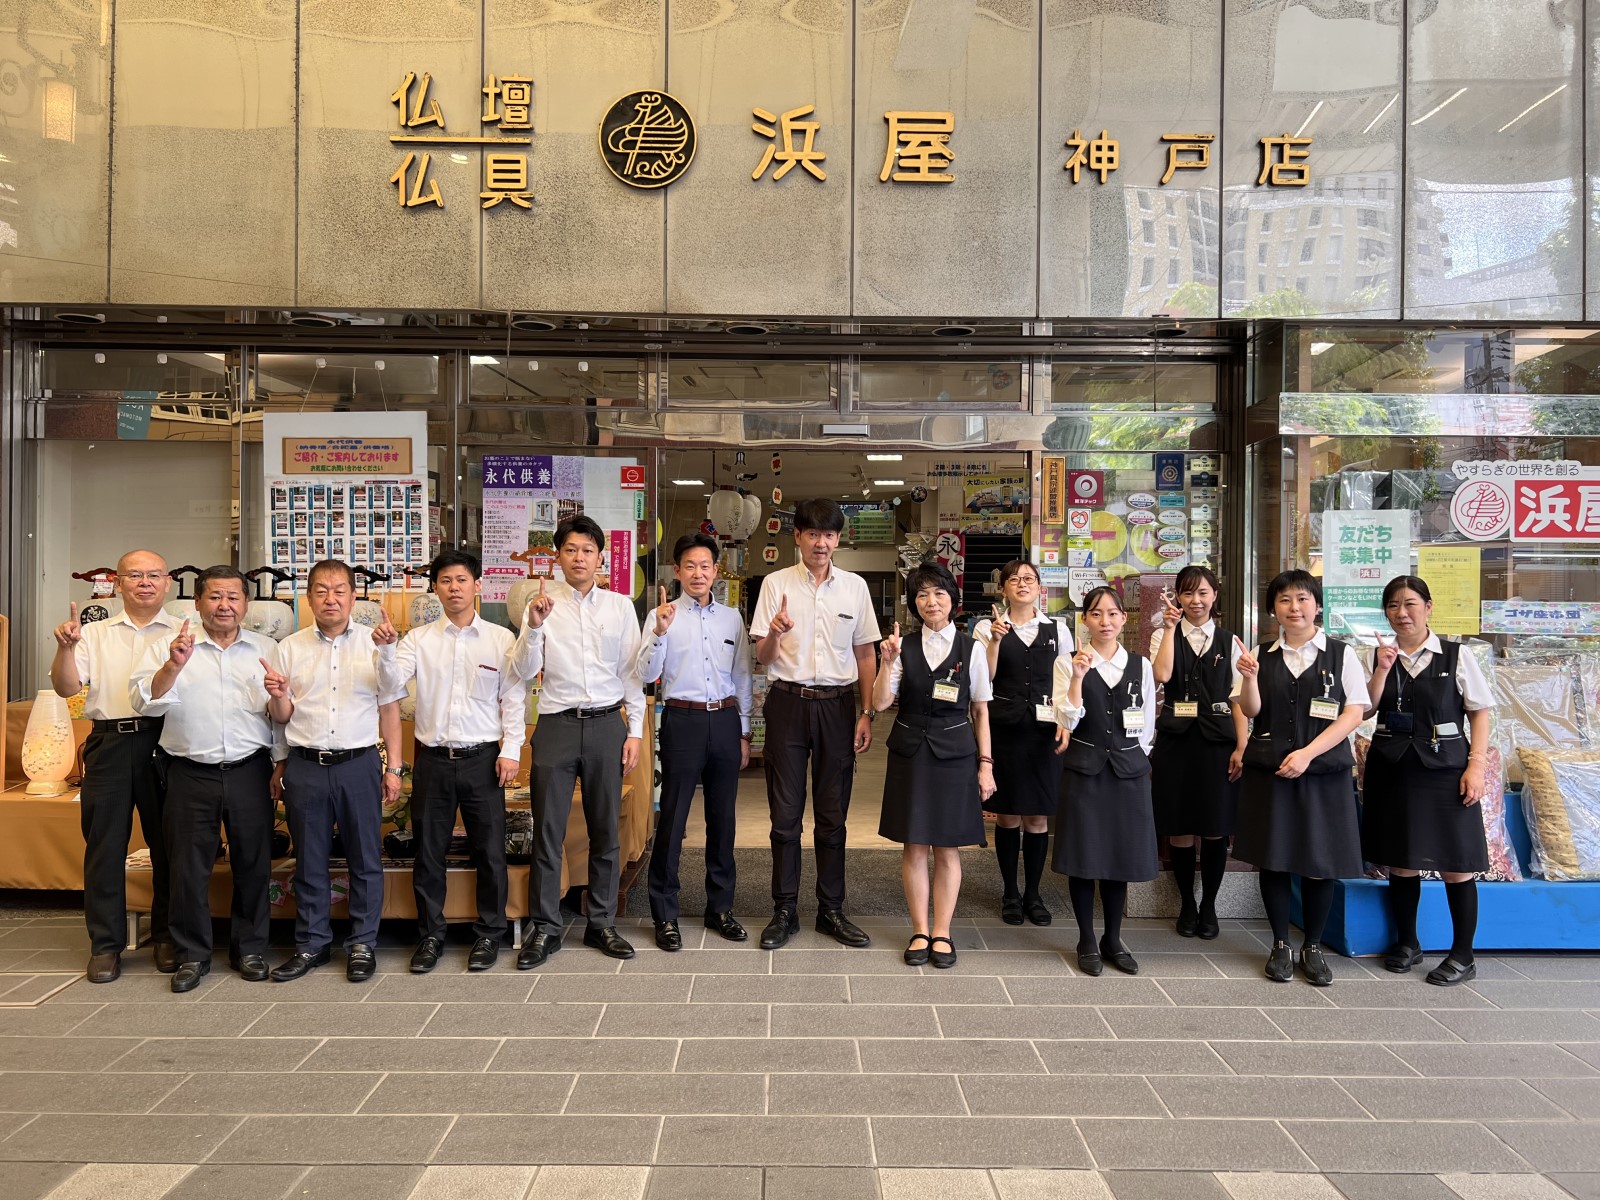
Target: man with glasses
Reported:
[(119, 776)]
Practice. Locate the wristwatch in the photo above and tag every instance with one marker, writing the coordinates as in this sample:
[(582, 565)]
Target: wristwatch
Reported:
[(397, 772), (871, 714)]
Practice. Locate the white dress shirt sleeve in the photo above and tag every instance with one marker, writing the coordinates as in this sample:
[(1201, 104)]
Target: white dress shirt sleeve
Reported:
[(1476, 694), (1147, 692), (767, 604), (513, 709), (743, 676), (1157, 636), (867, 623), (527, 656), (628, 671), (982, 683), (1067, 715), (653, 651), (983, 632), (1353, 678), (140, 683), (397, 665)]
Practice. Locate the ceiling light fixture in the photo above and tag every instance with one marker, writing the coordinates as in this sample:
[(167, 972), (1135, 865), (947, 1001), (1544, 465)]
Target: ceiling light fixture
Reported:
[(888, 483), (485, 360), (884, 457), (689, 482)]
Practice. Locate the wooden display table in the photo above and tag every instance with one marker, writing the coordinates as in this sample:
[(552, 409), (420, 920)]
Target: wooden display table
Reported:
[(41, 840)]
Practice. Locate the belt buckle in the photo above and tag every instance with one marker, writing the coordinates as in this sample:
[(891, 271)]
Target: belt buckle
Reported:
[(580, 714), (325, 758), (128, 725), (810, 693), (452, 753)]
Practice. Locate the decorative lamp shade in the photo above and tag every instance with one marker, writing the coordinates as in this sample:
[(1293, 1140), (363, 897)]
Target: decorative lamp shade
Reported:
[(425, 609), (752, 516), (269, 618), (725, 511), (522, 591), (48, 747), (184, 610), (367, 612)]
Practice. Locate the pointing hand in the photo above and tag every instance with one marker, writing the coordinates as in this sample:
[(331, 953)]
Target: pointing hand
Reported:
[(891, 645), (70, 632), (276, 684), (182, 646), (1387, 653), (384, 633), (665, 612), (999, 626), (539, 608), (1247, 664), (782, 622)]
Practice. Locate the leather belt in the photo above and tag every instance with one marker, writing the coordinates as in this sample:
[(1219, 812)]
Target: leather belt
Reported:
[(807, 692), (224, 766), (127, 725), (585, 714), (702, 705), (328, 758), (452, 753)]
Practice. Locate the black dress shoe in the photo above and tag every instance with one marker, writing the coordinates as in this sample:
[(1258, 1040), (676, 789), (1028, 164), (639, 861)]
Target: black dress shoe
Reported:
[(1401, 959), (724, 924), (104, 968), (785, 924), (1206, 926), (426, 956), (1314, 967), (1011, 910), (839, 927), (1090, 962), (166, 957), (916, 955), (1188, 920), (536, 949), (359, 963), (484, 954), (1280, 963), (1037, 912), (943, 959), (668, 936), (608, 941), (1450, 972), (1119, 957), (188, 975), (301, 963), (252, 968)]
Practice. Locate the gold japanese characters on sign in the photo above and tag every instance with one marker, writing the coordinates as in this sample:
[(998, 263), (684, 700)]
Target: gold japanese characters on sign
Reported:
[(647, 139), (507, 103), (783, 129), (919, 145), (1284, 160)]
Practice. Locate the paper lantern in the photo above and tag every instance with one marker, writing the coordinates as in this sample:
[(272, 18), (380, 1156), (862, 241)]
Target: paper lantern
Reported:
[(752, 516), (48, 747), (725, 511), (522, 591)]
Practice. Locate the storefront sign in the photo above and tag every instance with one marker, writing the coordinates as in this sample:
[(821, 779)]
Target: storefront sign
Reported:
[(507, 104), (1169, 472), (1362, 549), (1453, 575), (1537, 500), (1054, 509), (1534, 616), (347, 456), (647, 139), (868, 523), (1086, 489)]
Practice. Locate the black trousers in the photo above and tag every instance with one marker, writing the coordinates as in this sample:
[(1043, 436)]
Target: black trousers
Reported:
[(568, 749), (119, 779), (351, 795), (201, 800), (823, 732), (440, 786), (697, 749)]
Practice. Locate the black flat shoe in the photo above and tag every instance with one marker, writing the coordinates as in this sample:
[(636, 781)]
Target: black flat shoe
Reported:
[(1206, 926), (301, 963), (426, 957), (942, 959), (1188, 921), (1090, 962), (1037, 912), (360, 961), (668, 936), (1280, 963), (1450, 972), (608, 941), (785, 924), (1011, 910), (839, 927), (723, 924), (536, 950), (1401, 959), (188, 975), (252, 968), (1119, 958), (484, 954), (915, 955), (1314, 967)]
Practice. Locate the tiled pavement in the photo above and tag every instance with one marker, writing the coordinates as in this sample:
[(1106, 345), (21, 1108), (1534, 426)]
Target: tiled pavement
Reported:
[(726, 1073)]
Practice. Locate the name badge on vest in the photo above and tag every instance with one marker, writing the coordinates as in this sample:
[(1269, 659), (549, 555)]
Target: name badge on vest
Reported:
[(1133, 720), (946, 691), (1186, 708), (1324, 709), (1044, 710)]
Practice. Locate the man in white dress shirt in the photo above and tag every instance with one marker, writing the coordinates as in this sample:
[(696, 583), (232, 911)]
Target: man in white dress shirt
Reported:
[(218, 746), (119, 774), (469, 728), (586, 641)]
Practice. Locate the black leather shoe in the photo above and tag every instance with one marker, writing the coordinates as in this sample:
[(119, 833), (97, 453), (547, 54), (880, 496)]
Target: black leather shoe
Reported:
[(536, 949), (1206, 926), (1280, 963), (426, 957), (1119, 957), (1011, 910), (785, 924), (359, 963), (300, 963), (1401, 959), (484, 954), (1037, 912), (724, 924), (668, 936), (608, 941), (1090, 962), (1314, 967), (166, 957), (943, 959), (252, 968), (1450, 972), (1188, 921), (916, 955), (188, 975), (838, 926)]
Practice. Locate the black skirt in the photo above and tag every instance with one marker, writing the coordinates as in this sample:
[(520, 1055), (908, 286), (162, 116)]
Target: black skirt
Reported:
[(1306, 826), (1189, 779), (1412, 817), (1027, 770), (1105, 828), (930, 801)]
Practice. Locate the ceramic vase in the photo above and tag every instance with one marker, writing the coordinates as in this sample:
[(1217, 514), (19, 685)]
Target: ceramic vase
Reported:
[(48, 747)]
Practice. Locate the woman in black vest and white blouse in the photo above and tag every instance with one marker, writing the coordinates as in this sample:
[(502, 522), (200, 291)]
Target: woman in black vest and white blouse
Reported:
[(1425, 777), (1297, 808), (940, 770)]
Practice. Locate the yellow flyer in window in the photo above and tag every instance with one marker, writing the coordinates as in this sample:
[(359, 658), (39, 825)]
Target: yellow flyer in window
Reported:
[(1453, 575)]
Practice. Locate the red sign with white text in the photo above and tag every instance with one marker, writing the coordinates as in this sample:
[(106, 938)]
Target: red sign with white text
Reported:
[(1564, 510)]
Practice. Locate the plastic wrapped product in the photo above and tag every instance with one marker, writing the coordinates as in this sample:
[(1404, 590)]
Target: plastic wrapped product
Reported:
[(1562, 803)]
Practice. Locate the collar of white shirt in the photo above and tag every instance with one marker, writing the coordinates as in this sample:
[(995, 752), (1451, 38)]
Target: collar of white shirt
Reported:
[(943, 638), (203, 637), (1118, 659), (588, 599), (162, 617), (474, 626), (1189, 630), (1317, 644), (693, 605), (1432, 646), (803, 572)]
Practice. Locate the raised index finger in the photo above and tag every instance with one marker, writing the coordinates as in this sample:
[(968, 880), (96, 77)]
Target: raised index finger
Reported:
[(663, 592), (72, 610), (265, 665)]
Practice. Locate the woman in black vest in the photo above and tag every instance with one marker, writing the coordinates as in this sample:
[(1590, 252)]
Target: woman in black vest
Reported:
[(1200, 740), (1023, 646), (1105, 830), (1297, 808), (940, 770), (1425, 777)]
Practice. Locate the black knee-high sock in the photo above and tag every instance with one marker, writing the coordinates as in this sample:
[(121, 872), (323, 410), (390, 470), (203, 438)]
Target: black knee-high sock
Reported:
[(1113, 899), (1183, 874), (1006, 844), (1463, 901), (1316, 902), (1035, 847), (1082, 893), (1213, 866), (1275, 895), (1405, 893)]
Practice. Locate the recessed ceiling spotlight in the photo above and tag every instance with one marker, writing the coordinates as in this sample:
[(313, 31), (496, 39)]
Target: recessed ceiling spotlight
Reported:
[(745, 328), (81, 318), (312, 321), (532, 324), (954, 331)]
